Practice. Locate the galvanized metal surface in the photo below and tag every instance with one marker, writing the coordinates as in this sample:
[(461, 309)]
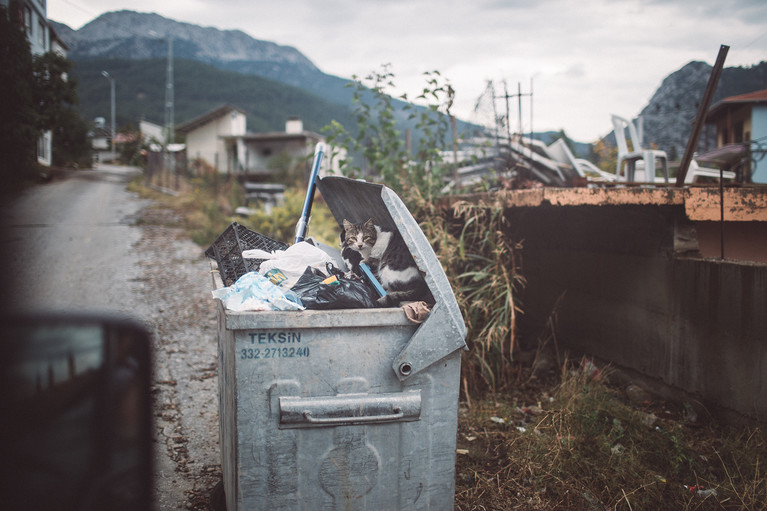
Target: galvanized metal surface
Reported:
[(314, 418), (343, 409), (443, 331)]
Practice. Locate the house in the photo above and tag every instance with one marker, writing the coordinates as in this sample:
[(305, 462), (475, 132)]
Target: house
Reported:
[(205, 136), (220, 138), (741, 122), (253, 152), (151, 133), (42, 39)]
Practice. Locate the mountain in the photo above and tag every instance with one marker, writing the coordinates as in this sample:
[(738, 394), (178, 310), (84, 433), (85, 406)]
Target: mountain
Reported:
[(671, 112), (129, 34), (134, 35), (253, 71), (198, 88)]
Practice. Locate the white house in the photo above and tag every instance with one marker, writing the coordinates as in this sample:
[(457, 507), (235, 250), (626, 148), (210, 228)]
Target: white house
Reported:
[(251, 153), (206, 135), (151, 133), (42, 39)]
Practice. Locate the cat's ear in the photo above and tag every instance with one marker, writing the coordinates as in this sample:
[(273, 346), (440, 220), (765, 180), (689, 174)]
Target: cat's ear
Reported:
[(370, 224), (347, 224)]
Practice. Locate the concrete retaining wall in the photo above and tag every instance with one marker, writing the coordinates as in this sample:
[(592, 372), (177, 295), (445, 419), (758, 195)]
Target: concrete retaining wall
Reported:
[(633, 295)]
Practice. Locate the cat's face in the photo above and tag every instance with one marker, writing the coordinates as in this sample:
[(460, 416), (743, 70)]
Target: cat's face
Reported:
[(359, 237)]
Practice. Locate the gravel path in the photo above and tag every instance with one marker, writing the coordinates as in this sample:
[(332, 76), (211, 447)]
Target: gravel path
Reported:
[(175, 282)]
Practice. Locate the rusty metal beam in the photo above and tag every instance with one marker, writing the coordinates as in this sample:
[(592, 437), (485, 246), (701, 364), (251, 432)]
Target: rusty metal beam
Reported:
[(708, 96)]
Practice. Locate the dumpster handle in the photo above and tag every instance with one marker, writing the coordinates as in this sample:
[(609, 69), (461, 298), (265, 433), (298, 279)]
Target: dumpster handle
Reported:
[(348, 409), (398, 414)]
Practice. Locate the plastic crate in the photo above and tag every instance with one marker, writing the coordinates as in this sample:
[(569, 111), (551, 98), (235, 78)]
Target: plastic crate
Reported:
[(228, 247)]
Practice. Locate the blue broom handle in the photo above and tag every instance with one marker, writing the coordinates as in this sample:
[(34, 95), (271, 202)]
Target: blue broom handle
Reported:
[(303, 222)]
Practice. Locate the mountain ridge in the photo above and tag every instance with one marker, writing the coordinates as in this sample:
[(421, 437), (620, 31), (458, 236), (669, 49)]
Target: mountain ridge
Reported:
[(132, 35), (148, 34), (135, 35)]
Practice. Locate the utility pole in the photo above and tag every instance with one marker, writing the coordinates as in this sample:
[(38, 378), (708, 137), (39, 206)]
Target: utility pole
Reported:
[(531, 108), (508, 115), (112, 96), (506, 96), (169, 106)]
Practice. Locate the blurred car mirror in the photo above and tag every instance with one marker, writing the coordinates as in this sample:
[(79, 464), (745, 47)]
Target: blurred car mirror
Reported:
[(77, 413)]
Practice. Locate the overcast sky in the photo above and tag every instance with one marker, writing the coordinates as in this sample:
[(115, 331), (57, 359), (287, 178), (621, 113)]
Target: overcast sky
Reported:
[(586, 59)]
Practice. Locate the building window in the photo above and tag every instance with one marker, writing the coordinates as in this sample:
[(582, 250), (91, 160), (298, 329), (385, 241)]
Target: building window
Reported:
[(27, 19), (41, 33), (738, 132)]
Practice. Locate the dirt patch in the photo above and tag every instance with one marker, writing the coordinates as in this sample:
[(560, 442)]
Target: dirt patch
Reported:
[(571, 439), (182, 317)]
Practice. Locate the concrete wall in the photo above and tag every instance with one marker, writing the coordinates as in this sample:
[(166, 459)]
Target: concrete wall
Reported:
[(635, 297)]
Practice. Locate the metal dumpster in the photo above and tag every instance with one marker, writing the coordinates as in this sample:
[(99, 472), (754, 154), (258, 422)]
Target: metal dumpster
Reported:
[(343, 409)]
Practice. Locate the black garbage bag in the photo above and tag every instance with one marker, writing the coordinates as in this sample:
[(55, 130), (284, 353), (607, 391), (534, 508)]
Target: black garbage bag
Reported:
[(345, 294)]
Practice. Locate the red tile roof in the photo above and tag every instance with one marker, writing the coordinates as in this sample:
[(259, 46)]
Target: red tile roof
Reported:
[(759, 96)]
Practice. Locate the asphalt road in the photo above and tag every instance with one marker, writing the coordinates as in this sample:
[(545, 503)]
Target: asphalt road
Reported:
[(84, 243), (69, 242)]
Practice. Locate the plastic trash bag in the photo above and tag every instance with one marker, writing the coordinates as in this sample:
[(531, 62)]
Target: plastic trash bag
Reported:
[(254, 292), (292, 262), (337, 293)]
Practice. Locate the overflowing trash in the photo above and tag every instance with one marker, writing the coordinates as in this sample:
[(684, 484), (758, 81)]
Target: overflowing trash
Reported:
[(318, 291), (287, 266), (301, 276), (254, 292), (260, 273)]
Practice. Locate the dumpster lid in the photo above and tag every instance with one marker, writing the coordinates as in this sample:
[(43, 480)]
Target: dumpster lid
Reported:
[(444, 331)]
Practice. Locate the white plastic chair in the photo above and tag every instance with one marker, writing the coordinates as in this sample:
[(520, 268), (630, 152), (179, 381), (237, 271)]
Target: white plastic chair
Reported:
[(630, 158), (694, 172)]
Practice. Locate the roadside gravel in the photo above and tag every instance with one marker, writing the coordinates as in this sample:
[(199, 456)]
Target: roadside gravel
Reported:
[(178, 307)]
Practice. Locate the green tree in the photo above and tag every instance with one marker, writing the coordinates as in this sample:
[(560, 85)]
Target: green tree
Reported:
[(606, 156), (130, 152), (70, 140), (36, 96), (18, 133), (382, 146), (54, 92)]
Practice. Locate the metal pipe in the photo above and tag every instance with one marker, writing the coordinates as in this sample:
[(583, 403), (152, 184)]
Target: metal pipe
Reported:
[(708, 95), (303, 222)]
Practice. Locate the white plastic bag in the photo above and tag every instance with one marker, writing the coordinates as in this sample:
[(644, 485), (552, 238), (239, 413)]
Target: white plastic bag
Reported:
[(254, 292), (294, 260)]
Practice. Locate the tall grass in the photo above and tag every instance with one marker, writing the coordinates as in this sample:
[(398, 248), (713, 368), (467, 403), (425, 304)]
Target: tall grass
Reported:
[(482, 264)]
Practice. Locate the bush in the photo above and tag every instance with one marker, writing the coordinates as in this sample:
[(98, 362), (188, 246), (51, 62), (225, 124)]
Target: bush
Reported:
[(280, 222)]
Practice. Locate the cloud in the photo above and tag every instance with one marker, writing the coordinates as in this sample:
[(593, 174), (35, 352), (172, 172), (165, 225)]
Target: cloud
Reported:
[(589, 58)]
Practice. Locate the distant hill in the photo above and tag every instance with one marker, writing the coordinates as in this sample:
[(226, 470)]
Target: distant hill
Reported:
[(198, 88), (273, 82), (139, 36), (211, 67), (580, 149)]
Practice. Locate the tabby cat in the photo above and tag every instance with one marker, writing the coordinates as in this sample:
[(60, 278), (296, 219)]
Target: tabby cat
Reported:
[(387, 255)]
